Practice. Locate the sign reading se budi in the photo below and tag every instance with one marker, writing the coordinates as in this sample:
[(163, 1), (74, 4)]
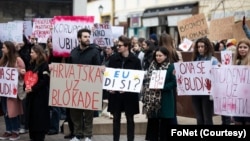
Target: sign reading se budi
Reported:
[(123, 80), (193, 28), (8, 83), (76, 86), (193, 78), (231, 90)]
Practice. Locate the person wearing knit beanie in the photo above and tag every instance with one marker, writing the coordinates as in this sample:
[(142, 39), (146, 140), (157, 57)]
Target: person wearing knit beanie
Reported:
[(231, 45)]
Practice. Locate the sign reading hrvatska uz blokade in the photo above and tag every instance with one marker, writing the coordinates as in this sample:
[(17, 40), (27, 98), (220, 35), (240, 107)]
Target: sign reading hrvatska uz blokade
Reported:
[(76, 86)]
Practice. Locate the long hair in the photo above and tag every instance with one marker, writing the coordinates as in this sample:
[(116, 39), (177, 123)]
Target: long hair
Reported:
[(209, 50), (10, 58), (238, 58), (167, 41), (41, 56)]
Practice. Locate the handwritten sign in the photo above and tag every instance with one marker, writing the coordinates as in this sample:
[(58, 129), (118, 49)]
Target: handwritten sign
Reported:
[(76, 86), (8, 83), (64, 33), (102, 35), (231, 90), (12, 31), (157, 79), (27, 28), (42, 29), (193, 28), (193, 78), (221, 29), (226, 57), (186, 44), (123, 80)]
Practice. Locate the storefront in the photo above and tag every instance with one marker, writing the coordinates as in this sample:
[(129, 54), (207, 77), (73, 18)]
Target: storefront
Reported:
[(164, 19), (27, 9), (135, 24)]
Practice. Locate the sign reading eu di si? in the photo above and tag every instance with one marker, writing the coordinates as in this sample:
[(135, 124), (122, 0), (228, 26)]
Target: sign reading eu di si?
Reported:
[(123, 80)]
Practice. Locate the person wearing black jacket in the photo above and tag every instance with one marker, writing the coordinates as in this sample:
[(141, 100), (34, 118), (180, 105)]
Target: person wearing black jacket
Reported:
[(127, 102), (87, 54), (38, 95)]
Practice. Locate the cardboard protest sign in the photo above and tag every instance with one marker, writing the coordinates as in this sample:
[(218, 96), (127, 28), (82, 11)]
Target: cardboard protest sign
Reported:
[(238, 32), (64, 33), (76, 86), (102, 35), (226, 57), (8, 83), (194, 78), (30, 79), (193, 28), (123, 80), (157, 80), (42, 28), (231, 90), (221, 29)]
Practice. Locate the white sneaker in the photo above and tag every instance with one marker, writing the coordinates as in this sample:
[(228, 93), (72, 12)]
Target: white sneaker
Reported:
[(22, 131), (87, 139), (75, 139)]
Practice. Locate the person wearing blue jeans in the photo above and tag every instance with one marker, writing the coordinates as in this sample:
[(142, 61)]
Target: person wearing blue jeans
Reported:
[(55, 115), (12, 124)]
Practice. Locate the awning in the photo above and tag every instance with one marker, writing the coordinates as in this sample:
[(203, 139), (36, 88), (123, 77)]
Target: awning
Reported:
[(135, 14), (181, 8)]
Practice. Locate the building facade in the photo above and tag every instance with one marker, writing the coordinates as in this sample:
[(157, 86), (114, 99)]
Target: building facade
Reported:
[(11, 10)]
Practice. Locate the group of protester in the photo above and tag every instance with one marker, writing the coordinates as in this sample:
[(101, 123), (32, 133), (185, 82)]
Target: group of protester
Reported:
[(159, 105)]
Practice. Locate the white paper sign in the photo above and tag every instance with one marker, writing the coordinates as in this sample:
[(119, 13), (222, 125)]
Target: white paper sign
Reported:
[(157, 79), (123, 80), (8, 82), (194, 78), (186, 44), (231, 90), (226, 57), (102, 35)]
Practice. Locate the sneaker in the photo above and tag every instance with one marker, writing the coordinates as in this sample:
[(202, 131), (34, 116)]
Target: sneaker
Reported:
[(5, 136), (22, 131), (87, 139), (14, 136), (75, 139)]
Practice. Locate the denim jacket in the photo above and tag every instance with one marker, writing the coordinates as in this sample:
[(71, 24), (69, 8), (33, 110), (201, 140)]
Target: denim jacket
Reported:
[(247, 31)]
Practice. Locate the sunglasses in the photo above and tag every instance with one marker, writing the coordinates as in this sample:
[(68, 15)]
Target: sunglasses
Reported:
[(119, 46)]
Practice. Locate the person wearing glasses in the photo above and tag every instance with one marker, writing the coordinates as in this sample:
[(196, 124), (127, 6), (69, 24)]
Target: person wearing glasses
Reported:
[(127, 102)]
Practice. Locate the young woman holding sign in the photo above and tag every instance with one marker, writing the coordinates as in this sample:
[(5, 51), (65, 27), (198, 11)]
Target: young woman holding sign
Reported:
[(159, 104), (12, 107), (38, 94), (242, 57), (203, 104)]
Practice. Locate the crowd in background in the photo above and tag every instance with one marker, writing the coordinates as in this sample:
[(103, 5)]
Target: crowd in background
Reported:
[(156, 53)]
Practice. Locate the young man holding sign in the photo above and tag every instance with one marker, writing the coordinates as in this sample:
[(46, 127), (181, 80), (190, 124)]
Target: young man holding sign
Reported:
[(127, 102), (87, 54)]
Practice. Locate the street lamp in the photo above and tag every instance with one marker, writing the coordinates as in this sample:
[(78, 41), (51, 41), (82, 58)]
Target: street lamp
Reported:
[(100, 9)]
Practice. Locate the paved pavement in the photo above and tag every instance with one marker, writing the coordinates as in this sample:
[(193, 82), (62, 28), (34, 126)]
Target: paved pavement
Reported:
[(60, 136)]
